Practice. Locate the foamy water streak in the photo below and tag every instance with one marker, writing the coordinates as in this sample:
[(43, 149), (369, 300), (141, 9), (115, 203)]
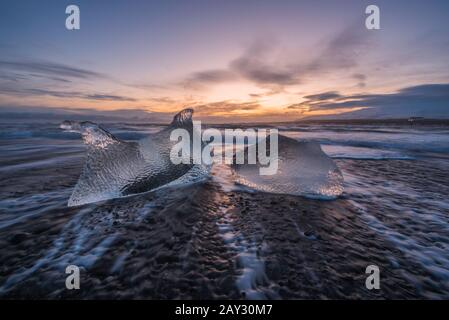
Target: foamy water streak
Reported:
[(252, 280)]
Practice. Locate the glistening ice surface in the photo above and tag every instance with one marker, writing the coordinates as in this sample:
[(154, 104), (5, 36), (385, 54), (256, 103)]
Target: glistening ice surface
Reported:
[(303, 169), (116, 168)]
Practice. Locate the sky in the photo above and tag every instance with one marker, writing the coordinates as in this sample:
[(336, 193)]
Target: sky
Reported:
[(246, 60)]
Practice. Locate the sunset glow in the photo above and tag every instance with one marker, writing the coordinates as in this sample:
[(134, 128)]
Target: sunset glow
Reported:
[(246, 60)]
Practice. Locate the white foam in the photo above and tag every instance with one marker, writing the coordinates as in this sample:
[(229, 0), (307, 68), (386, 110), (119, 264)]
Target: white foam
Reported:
[(360, 153), (252, 280)]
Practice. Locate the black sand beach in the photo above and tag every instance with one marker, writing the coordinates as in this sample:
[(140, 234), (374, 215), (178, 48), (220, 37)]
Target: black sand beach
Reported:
[(210, 240)]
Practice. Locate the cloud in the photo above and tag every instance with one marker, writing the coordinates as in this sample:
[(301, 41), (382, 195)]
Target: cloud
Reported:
[(49, 69), (252, 65), (315, 99), (108, 97), (57, 79), (256, 63), (224, 107), (429, 90), (201, 79), (426, 95), (361, 78), (41, 112), (30, 78), (260, 73), (344, 49), (164, 100), (324, 96), (61, 94), (14, 77), (211, 76), (429, 100)]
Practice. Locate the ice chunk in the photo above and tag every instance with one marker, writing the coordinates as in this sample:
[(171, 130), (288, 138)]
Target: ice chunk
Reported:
[(303, 169), (116, 168)]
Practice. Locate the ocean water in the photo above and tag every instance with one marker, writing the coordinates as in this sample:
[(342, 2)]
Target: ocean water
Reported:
[(395, 199)]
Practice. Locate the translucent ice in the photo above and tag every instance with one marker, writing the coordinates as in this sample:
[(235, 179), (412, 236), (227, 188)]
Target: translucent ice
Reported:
[(303, 169), (116, 168)]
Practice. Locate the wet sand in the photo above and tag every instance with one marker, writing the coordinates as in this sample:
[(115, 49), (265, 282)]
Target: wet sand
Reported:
[(205, 242)]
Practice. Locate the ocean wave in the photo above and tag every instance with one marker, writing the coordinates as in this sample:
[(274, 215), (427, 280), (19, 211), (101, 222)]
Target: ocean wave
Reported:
[(424, 142), (360, 153)]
